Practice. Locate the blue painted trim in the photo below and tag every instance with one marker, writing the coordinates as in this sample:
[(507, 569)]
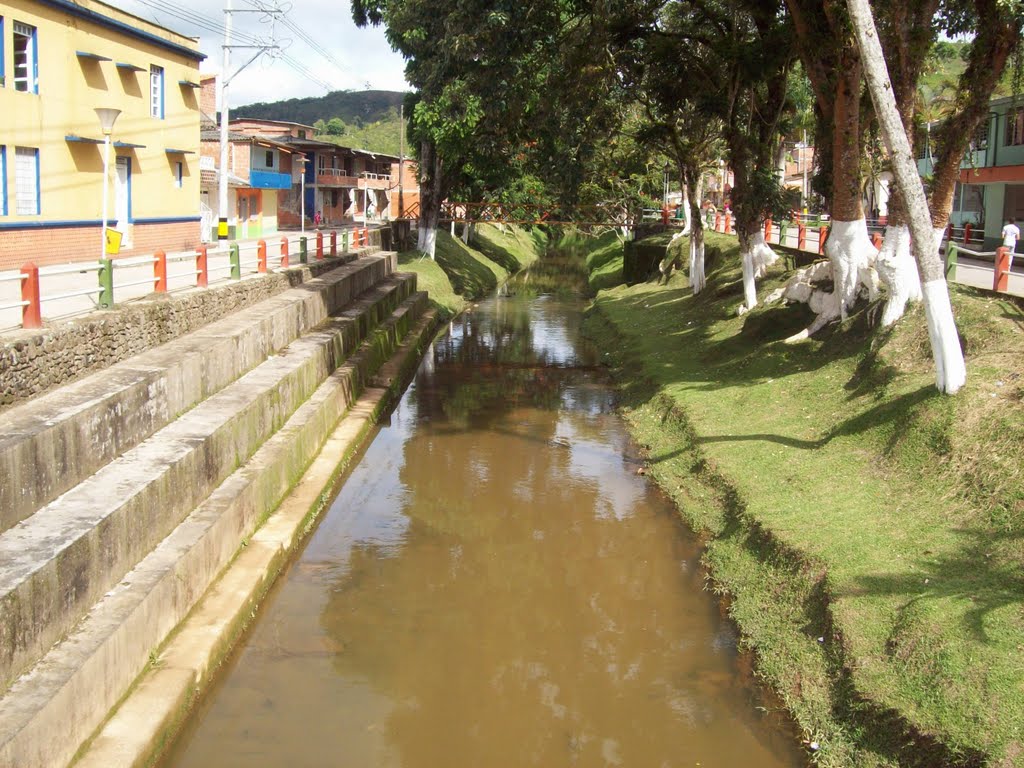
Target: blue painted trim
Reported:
[(82, 139), (35, 62), (3, 176), (172, 151), (269, 180), (39, 188), (163, 92), (14, 225), (130, 219), (92, 56), (189, 84), (3, 58), (129, 67), (74, 9), (168, 220), (127, 145)]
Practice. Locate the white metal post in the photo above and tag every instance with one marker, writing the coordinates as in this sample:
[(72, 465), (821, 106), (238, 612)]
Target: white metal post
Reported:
[(106, 183), (222, 204), (302, 196)]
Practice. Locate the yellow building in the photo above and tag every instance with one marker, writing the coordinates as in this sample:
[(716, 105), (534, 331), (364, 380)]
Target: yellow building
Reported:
[(59, 62)]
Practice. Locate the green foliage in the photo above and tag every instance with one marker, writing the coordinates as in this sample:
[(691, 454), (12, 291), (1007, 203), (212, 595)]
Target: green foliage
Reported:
[(369, 106)]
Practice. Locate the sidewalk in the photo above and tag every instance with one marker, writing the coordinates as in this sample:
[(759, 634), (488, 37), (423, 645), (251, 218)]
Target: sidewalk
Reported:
[(134, 276)]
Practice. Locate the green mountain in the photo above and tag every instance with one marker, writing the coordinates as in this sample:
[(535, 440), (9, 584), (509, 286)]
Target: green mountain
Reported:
[(353, 107), (359, 119)]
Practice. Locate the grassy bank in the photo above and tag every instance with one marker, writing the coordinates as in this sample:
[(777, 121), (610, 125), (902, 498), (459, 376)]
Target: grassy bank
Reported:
[(869, 532), (460, 274)]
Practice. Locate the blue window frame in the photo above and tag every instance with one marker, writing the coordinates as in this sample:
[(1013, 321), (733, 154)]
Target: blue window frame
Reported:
[(3, 181), (26, 58), (3, 59)]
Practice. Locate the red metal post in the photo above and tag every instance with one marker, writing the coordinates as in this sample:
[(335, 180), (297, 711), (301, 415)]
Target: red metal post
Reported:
[(284, 253), (967, 234), (822, 239), (334, 242), (728, 223), (664, 215), (31, 313), (767, 230), (718, 221), (261, 256), (801, 236), (319, 244), (876, 240), (1001, 278), (160, 272), (366, 237), (202, 275)]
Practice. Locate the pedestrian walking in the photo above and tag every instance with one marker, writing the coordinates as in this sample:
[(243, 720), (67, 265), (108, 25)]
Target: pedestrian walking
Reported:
[(1011, 234)]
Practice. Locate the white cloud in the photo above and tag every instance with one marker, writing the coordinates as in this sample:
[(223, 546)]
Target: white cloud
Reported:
[(364, 55)]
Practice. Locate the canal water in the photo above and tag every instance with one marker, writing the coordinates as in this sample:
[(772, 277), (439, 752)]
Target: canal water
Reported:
[(494, 586)]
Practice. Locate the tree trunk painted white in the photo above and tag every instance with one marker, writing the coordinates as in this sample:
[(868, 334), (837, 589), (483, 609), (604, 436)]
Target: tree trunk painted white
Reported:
[(950, 369), (428, 242), (686, 211), (697, 279), (757, 256), (898, 271), (850, 251), (763, 255)]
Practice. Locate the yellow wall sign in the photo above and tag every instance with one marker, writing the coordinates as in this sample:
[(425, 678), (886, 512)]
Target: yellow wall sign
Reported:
[(114, 242)]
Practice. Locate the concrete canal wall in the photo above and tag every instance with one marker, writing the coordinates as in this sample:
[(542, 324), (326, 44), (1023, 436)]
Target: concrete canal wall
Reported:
[(126, 493)]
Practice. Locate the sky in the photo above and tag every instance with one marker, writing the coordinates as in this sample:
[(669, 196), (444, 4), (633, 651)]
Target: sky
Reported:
[(348, 58)]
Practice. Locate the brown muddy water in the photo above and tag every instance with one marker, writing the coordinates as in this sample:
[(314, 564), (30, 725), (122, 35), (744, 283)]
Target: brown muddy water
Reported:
[(494, 585)]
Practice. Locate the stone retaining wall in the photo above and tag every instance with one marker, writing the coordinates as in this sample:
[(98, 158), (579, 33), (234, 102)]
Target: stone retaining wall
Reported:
[(34, 362)]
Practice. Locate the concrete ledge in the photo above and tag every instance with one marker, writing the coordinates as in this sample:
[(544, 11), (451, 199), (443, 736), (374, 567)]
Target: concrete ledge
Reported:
[(115, 642), (58, 562), (35, 361), (54, 442)]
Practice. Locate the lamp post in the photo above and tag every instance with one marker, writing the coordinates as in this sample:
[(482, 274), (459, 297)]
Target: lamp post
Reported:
[(107, 118)]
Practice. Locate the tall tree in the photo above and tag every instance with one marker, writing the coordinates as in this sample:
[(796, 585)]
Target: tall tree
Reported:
[(833, 65), (950, 371), (997, 26), (477, 85)]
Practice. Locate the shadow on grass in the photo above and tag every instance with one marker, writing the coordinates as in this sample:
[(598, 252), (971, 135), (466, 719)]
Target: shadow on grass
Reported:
[(973, 572), (468, 275)]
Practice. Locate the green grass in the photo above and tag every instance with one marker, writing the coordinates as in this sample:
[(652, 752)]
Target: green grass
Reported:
[(514, 248), (460, 274), (869, 531), (432, 279)]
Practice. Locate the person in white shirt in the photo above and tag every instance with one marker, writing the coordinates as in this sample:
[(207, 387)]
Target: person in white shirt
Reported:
[(1011, 234)]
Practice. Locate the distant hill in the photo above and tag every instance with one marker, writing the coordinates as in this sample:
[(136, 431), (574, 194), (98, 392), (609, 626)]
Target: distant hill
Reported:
[(353, 107), (359, 119)]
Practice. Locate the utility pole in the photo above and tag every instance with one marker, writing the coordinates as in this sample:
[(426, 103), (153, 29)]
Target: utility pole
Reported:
[(222, 195), (401, 159), (224, 81)]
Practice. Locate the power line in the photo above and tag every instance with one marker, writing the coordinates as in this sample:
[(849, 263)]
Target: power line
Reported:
[(212, 25)]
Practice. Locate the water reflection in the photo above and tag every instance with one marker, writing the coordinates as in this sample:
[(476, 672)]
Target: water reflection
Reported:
[(493, 586)]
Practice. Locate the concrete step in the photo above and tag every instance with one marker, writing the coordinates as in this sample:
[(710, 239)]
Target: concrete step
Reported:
[(52, 443), (49, 712), (58, 562)]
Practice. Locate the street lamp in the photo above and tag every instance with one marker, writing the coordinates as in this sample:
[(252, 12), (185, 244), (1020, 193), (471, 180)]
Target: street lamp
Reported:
[(107, 118)]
